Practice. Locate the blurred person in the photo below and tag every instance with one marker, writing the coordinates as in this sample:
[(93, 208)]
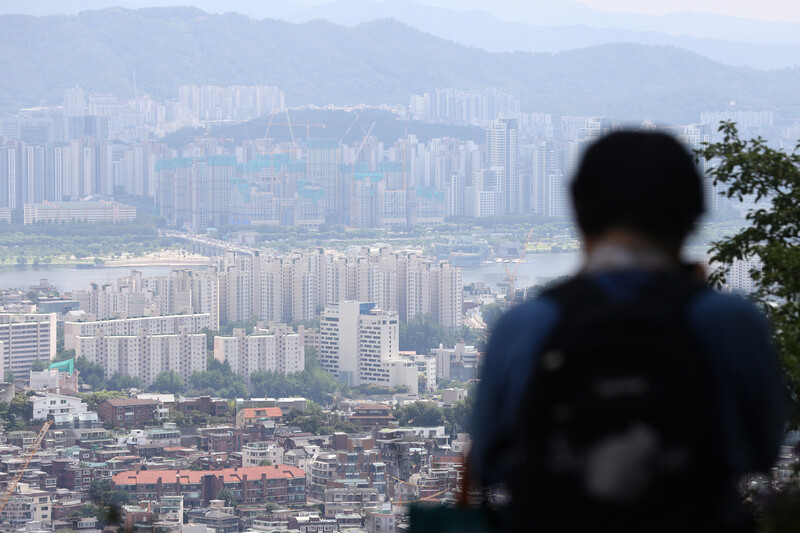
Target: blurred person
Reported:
[(632, 397)]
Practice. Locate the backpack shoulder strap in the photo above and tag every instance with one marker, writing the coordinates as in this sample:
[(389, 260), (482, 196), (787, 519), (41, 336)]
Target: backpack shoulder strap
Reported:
[(672, 290)]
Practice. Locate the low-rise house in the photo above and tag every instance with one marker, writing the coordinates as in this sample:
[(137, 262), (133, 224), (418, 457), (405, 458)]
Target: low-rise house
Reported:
[(260, 484), (339, 500), (300, 457), (27, 504), (44, 405), (222, 519), (306, 522), (222, 439), (203, 404), (82, 420), (256, 452), (129, 412), (168, 435), (379, 520), (372, 415), (250, 415), (59, 380)]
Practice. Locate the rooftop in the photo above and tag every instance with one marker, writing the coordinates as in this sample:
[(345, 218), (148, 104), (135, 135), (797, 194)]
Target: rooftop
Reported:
[(133, 477), (122, 402)]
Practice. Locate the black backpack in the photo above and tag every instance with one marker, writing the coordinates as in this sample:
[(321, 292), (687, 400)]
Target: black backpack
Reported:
[(616, 432)]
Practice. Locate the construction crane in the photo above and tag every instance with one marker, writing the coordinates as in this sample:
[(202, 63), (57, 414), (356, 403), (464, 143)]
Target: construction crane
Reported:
[(291, 126), (512, 277), (31, 452)]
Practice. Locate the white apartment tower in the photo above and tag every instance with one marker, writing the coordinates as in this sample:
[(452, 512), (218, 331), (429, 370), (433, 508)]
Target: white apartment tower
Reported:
[(359, 344), (24, 338), (502, 150)]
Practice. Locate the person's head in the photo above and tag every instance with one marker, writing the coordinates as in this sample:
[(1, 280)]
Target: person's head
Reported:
[(646, 183)]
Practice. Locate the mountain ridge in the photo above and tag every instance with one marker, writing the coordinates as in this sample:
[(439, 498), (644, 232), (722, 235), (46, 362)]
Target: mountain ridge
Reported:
[(376, 62)]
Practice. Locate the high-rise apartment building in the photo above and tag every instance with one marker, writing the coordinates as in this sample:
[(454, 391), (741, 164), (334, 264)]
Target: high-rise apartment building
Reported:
[(322, 169), (152, 325), (144, 355), (24, 338), (273, 350), (502, 150), (359, 345)]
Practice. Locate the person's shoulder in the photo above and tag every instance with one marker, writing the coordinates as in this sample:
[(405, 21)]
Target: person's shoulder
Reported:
[(524, 325), (531, 310), (711, 306)]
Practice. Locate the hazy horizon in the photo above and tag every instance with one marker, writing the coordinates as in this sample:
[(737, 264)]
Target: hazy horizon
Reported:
[(767, 10)]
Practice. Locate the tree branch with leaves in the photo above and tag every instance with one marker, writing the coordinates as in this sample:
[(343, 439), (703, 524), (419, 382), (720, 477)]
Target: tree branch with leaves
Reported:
[(752, 169)]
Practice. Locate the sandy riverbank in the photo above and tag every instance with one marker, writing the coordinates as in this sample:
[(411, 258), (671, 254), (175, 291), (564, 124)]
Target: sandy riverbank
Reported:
[(164, 257)]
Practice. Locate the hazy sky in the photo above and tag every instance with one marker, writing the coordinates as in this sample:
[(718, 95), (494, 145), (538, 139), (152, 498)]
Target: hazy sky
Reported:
[(786, 10)]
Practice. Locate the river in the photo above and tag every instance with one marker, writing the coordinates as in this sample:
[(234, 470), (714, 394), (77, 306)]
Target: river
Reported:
[(538, 268), (67, 278)]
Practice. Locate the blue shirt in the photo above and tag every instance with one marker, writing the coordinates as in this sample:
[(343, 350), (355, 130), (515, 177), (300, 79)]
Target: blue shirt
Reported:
[(748, 390)]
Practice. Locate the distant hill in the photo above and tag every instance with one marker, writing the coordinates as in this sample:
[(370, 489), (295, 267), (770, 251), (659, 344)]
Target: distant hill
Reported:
[(376, 62), (569, 26)]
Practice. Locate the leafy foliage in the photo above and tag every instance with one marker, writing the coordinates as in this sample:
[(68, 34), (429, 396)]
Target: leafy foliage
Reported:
[(169, 382), (93, 399), (772, 177), (92, 374), (218, 380), (108, 502), (422, 333), (119, 382), (422, 414), (313, 383), (315, 420), (39, 364), (227, 494), (79, 240), (18, 407), (491, 313)]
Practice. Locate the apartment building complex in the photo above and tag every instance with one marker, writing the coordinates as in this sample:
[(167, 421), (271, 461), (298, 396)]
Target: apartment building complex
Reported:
[(24, 338), (145, 355), (273, 350), (151, 325)]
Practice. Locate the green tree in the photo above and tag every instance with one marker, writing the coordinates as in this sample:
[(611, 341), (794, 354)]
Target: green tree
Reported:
[(423, 414), (265, 462), (772, 235), (120, 382), (22, 260), (227, 494), (63, 355), (422, 333), (218, 380), (169, 382), (491, 313), (91, 373), (8, 376), (19, 407), (462, 414), (39, 364), (93, 399)]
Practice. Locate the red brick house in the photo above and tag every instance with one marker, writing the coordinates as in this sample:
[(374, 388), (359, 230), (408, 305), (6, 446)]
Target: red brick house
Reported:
[(128, 412), (280, 484), (372, 415)]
